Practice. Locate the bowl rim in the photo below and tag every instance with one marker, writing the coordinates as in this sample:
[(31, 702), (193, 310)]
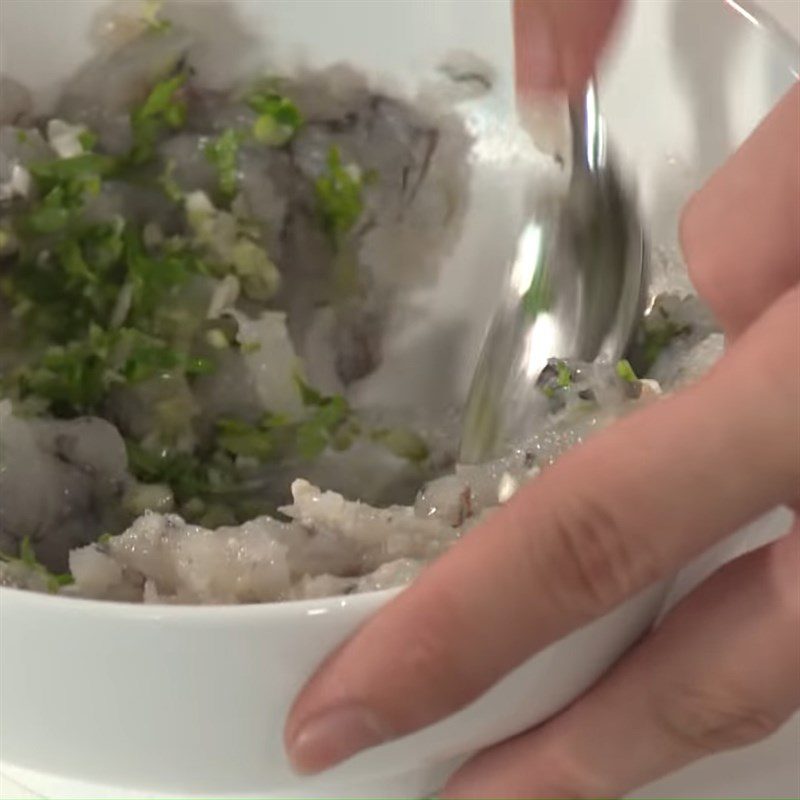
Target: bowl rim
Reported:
[(760, 18), (353, 604)]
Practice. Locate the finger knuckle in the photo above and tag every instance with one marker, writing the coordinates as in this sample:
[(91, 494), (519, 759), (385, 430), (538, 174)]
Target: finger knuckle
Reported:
[(705, 719), (430, 656), (594, 559), (567, 776), (784, 570)]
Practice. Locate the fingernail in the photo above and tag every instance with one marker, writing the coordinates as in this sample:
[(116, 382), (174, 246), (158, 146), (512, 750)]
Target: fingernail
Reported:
[(335, 736), (538, 68)]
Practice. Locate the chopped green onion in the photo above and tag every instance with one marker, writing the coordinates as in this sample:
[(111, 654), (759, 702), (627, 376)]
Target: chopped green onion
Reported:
[(563, 375), (403, 443), (48, 219), (49, 173), (27, 559), (151, 14), (199, 366), (148, 497), (162, 109), (339, 196), (222, 152), (278, 117), (250, 347), (73, 379), (161, 101), (625, 371), (153, 277), (308, 394), (243, 439), (311, 441), (87, 140), (217, 339), (657, 338), (170, 186), (555, 376), (26, 553), (259, 275)]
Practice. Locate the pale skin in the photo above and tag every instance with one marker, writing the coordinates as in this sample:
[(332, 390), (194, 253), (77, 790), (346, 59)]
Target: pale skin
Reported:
[(630, 506)]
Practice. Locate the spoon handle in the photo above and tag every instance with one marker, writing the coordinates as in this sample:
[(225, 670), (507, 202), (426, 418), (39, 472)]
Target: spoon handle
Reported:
[(587, 132), (575, 291)]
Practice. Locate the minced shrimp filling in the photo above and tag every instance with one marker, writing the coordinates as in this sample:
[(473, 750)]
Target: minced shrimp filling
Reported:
[(192, 284)]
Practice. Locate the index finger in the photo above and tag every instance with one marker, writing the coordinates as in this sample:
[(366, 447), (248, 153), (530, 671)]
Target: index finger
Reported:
[(557, 42), (612, 516)]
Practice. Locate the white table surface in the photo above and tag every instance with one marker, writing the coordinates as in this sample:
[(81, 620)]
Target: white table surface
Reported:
[(769, 769)]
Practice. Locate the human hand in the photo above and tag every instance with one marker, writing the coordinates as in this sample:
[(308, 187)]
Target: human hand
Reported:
[(630, 506)]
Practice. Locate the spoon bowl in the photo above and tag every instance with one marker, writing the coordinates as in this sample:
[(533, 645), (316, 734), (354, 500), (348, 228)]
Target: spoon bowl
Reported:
[(576, 290)]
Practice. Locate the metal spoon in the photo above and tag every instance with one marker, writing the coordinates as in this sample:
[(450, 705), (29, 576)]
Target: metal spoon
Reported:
[(576, 290)]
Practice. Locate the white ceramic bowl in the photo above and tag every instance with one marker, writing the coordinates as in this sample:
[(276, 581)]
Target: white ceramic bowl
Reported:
[(101, 699), (169, 701)]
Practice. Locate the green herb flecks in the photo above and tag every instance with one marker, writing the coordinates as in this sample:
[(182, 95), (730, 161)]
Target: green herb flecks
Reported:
[(339, 194), (657, 338), (655, 333), (6, 239), (334, 423), (625, 371), (49, 174), (222, 152), (403, 442), (242, 439), (230, 247), (151, 14), (564, 375), (103, 307), (163, 109), (56, 293), (557, 375), (319, 430), (28, 562), (54, 214), (64, 185), (328, 422), (117, 310), (154, 276), (88, 140), (206, 484), (277, 436), (76, 378), (170, 186), (278, 117), (186, 474)]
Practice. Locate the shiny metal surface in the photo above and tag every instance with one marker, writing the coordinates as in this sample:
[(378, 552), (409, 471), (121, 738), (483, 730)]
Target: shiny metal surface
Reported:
[(576, 290)]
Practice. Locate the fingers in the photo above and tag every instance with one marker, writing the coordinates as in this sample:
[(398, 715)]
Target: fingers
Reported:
[(723, 671), (624, 509), (557, 42), (741, 231)]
